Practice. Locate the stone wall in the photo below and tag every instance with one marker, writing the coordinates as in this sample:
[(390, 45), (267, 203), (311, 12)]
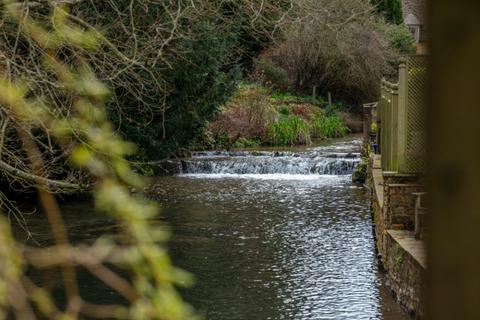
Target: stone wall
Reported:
[(401, 255), (399, 201), (405, 273)]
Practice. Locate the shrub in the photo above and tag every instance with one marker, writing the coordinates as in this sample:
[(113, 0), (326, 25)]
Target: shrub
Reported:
[(284, 110), (246, 143), (326, 48), (302, 111), (247, 114), (400, 38), (360, 173), (270, 75), (254, 117), (206, 141), (291, 130), (287, 97), (390, 9), (284, 97)]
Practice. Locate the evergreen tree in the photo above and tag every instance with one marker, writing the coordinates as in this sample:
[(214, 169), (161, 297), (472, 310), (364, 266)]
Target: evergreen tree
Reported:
[(390, 9)]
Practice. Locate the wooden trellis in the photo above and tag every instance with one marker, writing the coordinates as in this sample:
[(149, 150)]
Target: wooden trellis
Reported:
[(401, 110)]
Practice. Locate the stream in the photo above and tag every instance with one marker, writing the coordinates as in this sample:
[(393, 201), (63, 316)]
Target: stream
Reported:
[(268, 234)]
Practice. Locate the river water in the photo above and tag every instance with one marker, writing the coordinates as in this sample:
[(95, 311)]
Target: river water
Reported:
[(275, 234)]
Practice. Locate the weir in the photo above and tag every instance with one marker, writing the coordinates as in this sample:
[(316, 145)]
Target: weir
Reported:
[(248, 162)]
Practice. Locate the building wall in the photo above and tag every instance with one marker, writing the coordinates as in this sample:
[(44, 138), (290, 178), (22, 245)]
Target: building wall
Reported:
[(422, 48)]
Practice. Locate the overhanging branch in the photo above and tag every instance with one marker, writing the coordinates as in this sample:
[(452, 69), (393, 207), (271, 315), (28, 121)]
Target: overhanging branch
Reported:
[(31, 177)]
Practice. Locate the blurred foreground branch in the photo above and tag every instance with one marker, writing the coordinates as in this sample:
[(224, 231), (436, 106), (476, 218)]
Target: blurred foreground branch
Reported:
[(97, 149)]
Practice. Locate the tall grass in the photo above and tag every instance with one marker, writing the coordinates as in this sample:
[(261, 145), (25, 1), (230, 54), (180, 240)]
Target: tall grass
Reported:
[(285, 97), (327, 126), (288, 131)]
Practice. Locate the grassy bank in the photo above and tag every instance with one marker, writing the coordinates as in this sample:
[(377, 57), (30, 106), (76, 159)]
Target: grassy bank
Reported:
[(256, 116)]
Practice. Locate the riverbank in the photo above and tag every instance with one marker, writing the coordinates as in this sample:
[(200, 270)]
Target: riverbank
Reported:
[(258, 116)]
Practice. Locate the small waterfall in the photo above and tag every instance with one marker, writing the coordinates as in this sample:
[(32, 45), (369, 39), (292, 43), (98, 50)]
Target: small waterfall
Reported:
[(266, 162)]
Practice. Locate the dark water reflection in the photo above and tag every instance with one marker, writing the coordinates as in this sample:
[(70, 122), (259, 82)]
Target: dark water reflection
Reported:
[(277, 249)]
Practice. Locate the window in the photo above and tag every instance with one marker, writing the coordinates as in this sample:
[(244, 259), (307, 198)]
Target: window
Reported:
[(415, 31)]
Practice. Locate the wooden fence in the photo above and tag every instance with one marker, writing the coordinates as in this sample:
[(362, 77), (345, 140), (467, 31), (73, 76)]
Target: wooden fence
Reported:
[(401, 118)]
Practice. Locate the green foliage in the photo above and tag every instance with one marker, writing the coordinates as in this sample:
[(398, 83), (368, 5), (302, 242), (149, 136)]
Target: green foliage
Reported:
[(399, 258), (93, 146), (360, 173), (390, 9), (200, 88), (246, 115), (284, 110), (271, 75), (242, 143), (254, 35), (400, 38), (288, 97), (289, 131), (199, 85), (188, 73), (254, 116), (331, 109), (328, 126), (327, 49)]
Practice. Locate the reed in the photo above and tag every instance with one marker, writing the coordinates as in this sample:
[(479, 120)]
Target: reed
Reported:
[(288, 131)]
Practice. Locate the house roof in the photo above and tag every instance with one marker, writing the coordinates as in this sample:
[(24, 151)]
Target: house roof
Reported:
[(414, 12), (412, 20)]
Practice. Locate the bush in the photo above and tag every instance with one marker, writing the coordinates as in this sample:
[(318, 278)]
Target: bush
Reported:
[(303, 111), (284, 110), (289, 131), (270, 75), (390, 9), (287, 97), (360, 173), (324, 47), (242, 143), (400, 38), (255, 117), (192, 99), (247, 114)]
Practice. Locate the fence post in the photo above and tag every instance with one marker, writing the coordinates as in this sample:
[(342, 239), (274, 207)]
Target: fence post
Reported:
[(383, 124), (402, 116), (388, 128), (395, 125)]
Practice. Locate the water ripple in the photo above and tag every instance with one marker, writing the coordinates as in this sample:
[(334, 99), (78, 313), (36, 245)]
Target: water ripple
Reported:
[(277, 246)]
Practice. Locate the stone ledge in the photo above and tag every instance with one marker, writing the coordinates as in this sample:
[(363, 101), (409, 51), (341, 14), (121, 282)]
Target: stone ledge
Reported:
[(415, 248), (405, 185), (377, 161), (399, 175)]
